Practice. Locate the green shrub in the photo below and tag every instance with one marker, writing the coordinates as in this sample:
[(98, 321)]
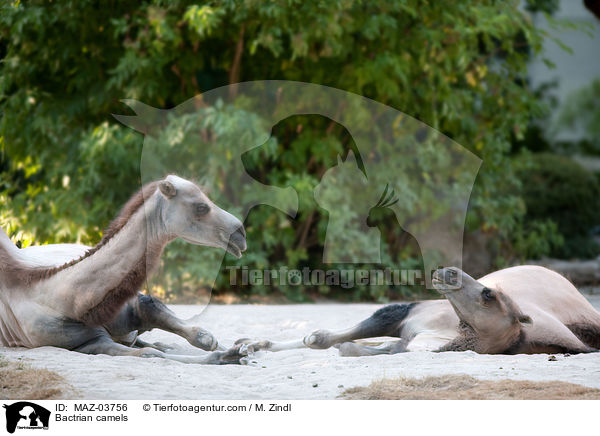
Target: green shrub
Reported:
[(65, 65), (557, 189), (536, 239)]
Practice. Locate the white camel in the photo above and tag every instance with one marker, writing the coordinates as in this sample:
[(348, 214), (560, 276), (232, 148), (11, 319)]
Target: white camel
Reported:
[(87, 299)]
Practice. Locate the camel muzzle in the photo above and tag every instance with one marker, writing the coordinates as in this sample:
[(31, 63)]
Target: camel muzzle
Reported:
[(237, 242)]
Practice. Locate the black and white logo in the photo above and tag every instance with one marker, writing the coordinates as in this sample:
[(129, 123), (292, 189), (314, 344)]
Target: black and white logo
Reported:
[(26, 415)]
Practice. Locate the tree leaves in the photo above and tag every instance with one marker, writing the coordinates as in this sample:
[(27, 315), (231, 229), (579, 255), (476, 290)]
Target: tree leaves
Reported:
[(65, 66)]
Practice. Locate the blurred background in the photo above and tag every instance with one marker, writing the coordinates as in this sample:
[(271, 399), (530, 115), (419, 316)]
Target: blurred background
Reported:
[(515, 82)]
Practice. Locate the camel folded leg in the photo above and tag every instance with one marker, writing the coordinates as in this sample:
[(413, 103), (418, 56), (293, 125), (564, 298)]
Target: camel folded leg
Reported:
[(384, 322), (271, 346), (352, 349), (105, 345), (156, 345), (144, 313)]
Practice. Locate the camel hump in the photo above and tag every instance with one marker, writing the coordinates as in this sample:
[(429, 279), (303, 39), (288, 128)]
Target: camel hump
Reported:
[(534, 281), (6, 243), (533, 286)]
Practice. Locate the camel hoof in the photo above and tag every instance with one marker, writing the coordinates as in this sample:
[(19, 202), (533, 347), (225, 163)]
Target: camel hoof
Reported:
[(258, 346), (318, 340), (235, 355), (254, 346)]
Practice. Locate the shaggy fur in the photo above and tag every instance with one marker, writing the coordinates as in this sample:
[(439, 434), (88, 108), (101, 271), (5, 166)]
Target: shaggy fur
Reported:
[(589, 334), (385, 321), (467, 340), (107, 309)]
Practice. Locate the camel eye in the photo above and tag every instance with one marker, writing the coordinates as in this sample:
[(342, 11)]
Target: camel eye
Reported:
[(487, 294), (201, 209)]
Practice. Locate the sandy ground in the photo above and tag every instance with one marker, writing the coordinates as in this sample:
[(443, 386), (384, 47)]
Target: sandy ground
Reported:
[(294, 374)]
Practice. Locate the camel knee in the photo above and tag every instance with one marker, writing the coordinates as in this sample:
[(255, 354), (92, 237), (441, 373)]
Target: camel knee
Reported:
[(201, 338), (150, 309), (153, 313)]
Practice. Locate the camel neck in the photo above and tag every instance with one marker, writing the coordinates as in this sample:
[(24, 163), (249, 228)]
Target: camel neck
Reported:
[(117, 270)]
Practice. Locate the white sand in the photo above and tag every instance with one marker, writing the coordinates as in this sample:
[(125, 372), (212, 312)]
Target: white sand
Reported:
[(289, 374)]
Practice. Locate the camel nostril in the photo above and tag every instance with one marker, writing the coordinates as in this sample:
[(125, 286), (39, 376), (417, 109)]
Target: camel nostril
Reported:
[(241, 230), (451, 277)]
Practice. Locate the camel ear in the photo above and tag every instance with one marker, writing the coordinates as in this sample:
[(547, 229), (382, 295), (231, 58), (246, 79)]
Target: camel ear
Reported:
[(525, 319), (167, 189)]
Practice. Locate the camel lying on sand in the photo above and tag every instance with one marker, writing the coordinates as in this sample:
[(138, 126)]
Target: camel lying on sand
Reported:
[(523, 309), (87, 299)]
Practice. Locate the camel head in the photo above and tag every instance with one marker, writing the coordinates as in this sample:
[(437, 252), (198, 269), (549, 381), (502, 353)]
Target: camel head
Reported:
[(493, 316), (187, 213)]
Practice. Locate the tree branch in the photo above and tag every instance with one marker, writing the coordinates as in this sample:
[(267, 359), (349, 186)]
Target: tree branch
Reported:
[(234, 73)]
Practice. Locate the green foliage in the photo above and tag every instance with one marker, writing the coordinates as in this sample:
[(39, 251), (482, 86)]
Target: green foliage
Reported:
[(537, 238), (67, 165), (581, 113), (560, 195), (547, 6)]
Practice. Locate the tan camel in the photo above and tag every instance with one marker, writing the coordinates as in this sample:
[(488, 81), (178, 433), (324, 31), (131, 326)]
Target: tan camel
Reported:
[(523, 309)]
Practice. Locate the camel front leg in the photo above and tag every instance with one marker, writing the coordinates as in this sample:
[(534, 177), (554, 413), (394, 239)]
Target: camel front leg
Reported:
[(352, 349), (384, 322), (144, 313), (105, 345)]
